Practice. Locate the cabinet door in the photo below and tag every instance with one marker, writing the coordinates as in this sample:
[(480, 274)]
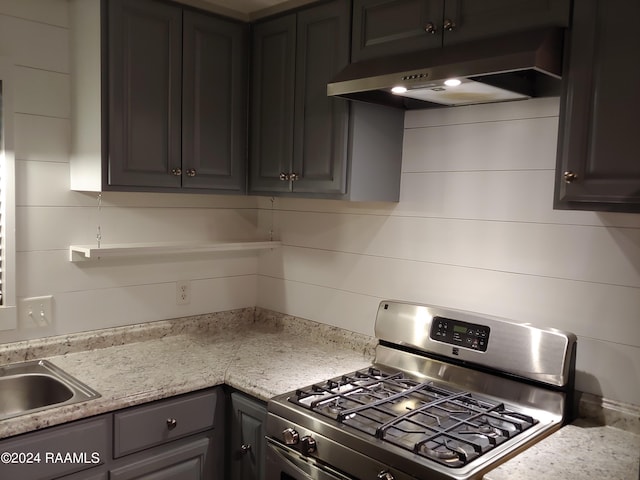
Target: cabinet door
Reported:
[(272, 84), (598, 166), (186, 462), (388, 27), (321, 122), (214, 113), (466, 20), (60, 450), (247, 438), (89, 475), (145, 75)]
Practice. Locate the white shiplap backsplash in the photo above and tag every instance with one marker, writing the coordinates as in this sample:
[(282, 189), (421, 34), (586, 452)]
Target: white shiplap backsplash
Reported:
[(34, 34), (474, 230)]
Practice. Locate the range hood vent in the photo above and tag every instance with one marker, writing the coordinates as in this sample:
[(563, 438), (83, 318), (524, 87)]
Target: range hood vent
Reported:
[(510, 67)]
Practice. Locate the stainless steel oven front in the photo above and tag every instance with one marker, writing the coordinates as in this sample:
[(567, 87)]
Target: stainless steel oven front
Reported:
[(296, 452), (284, 463)]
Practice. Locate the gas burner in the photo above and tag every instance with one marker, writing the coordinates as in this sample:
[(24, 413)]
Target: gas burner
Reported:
[(488, 430), (448, 452), (441, 453)]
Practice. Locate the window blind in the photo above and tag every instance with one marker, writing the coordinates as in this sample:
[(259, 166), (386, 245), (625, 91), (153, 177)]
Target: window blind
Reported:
[(1, 201)]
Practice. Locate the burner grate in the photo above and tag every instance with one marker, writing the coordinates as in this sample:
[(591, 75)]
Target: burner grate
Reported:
[(447, 426)]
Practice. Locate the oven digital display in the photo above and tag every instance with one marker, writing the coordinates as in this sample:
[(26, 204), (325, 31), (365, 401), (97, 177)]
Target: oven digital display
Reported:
[(459, 333), (459, 329)]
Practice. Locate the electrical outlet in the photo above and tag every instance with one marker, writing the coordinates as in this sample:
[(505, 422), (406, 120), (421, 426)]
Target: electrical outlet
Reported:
[(183, 292), (35, 312)]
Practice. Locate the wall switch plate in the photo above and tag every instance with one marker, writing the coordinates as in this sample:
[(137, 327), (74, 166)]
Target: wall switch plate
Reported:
[(183, 292), (35, 312)]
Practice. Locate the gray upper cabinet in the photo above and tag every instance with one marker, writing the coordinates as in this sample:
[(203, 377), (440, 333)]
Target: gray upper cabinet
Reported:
[(298, 133), (303, 142), (272, 87), (214, 117), (145, 90), (165, 109), (320, 128), (598, 164), (466, 20), (388, 27)]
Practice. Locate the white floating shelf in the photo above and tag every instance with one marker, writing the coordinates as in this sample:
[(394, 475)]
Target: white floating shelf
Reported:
[(82, 253)]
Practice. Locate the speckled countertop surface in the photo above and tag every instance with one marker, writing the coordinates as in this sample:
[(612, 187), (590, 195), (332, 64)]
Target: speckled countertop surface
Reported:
[(257, 352), (259, 358), (582, 450)]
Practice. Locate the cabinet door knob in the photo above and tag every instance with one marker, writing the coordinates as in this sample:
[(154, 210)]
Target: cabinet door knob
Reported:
[(570, 176), (176, 171), (294, 176), (191, 172), (245, 448), (449, 25), (284, 176), (172, 423), (430, 28)]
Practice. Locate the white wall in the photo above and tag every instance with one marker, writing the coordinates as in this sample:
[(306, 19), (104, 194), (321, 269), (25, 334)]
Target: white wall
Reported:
[(474, 230), (49, 217)]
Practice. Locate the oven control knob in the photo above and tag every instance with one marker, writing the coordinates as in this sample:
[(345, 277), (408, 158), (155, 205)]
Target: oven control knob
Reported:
[(308, 445), (384, 475), (290, 436)]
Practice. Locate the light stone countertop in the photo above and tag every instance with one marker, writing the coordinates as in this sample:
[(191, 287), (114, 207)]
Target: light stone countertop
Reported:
[(260, 359), (265, 354), (582, 450)]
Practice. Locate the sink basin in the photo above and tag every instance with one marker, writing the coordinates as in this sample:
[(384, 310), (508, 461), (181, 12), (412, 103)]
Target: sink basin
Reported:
[(33, 386)]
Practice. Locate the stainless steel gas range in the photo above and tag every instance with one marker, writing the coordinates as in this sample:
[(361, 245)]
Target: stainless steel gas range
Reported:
[(450, 395)]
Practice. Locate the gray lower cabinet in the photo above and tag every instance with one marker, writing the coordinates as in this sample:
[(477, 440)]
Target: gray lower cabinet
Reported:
[(598, 167), (389, 27), (186, 461), (58, 451), (246, 455), (89, 475), (180, 438), (303, 142), (146, 426)]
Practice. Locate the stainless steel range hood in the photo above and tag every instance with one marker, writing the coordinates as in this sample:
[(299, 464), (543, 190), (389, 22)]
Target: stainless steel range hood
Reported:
[(510, 67)]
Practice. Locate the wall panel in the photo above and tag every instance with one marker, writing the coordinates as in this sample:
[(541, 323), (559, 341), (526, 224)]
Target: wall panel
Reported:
[(474, 230)]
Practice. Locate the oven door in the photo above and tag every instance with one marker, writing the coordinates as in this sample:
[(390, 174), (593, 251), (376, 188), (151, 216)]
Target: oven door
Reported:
[(283, 463)]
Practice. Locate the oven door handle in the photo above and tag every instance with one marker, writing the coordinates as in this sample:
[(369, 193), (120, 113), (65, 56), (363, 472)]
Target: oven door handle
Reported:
[(306, 466)]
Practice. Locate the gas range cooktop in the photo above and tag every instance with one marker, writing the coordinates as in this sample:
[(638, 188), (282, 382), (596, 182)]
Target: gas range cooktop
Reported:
[(450, 395), (449, 426)]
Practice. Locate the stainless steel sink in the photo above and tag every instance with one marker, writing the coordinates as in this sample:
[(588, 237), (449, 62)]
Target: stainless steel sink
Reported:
[(33, 386)]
